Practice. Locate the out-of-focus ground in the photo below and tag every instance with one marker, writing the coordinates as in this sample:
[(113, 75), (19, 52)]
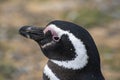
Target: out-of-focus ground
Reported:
[(21, 58)]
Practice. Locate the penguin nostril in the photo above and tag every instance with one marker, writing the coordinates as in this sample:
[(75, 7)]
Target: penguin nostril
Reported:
[(56, 38)]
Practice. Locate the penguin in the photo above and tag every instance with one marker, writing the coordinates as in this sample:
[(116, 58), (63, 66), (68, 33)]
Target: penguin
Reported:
[(71, 51)]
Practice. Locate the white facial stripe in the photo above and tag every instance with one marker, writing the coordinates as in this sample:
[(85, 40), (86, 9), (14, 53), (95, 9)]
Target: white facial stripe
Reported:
[(47, 44), (48, 72), (81, 54)]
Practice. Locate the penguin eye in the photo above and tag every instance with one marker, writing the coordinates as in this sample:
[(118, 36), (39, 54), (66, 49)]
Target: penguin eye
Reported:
[(55, 38)]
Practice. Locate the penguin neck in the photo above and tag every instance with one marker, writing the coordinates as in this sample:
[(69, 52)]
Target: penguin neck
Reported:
[(56, 72), (56, 67)]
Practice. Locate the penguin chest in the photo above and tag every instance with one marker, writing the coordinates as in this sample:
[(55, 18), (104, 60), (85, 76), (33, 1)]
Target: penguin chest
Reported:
[(57, 73)]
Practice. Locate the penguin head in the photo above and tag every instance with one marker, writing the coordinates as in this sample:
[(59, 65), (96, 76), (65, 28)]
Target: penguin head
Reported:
[(64, 43)]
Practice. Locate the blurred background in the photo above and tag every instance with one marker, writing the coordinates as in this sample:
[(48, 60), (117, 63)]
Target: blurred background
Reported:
[(21, 58)]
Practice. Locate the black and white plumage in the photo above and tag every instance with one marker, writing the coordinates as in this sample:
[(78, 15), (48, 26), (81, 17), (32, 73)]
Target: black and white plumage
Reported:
[(71, 51)]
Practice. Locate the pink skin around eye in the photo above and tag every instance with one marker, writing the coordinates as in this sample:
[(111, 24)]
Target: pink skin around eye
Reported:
[(55, 36)]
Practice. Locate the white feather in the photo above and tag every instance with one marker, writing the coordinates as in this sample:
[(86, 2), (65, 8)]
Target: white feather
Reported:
[(48, 72), (47, 44)]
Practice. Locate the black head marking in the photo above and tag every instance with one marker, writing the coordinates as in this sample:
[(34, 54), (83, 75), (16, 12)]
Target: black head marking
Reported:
[(62, 50)]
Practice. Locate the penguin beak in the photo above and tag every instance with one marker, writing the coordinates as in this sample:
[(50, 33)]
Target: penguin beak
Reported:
[(31, 32)]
